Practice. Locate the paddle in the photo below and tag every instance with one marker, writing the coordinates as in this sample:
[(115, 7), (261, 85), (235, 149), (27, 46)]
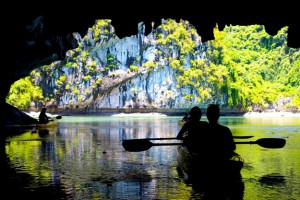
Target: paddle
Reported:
[(174, 138), (57, 117), (136, 145), (267, 142), (142, 145)]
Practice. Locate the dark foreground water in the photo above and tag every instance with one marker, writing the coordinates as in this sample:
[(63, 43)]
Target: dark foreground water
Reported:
[(83, 158)]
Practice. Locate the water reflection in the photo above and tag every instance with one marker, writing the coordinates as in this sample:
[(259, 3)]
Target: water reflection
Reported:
[(83, 158), (272, 179), (213, 191), (44, 133), (215, 187)]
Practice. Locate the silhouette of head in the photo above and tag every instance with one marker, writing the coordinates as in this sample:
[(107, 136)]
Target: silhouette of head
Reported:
[(213, 113), (195, 113)]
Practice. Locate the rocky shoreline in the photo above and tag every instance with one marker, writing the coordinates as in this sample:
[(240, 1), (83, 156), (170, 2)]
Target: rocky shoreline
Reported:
[(35, 114), (272, 114), (162, 111)]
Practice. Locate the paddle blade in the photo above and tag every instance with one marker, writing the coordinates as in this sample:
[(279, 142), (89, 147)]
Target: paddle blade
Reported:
[(136, 145), (271, 142), (58, 117)]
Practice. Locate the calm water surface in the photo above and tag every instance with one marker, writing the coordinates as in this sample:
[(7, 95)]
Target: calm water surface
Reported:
[(83, 158)]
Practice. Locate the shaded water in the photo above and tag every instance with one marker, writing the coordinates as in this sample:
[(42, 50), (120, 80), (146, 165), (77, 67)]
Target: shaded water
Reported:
[(83, 158)]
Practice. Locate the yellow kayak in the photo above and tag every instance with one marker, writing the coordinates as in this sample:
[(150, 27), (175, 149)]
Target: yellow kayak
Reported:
[(50, 124)]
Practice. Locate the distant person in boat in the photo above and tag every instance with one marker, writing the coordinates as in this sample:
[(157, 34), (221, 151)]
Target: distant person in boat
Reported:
[(185, 118), (223, 143), (43, 118), (192, 131)]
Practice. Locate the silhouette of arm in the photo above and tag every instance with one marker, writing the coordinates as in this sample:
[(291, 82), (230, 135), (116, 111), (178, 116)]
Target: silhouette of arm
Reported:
[(229, 140), (182, 131)]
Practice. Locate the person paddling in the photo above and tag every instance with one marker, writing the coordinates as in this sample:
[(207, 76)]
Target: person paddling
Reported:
[(43, 118), (224, 145), (193, 130)]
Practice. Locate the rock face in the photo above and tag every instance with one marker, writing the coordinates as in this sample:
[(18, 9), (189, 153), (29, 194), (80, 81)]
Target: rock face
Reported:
[(133, 72), (170, 68), (39, 40), (12, 116)]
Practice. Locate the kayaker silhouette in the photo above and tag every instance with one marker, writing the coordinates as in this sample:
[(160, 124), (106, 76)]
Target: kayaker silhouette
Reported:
[(221, 135), (192, 131), (43, 118), (211, 139)]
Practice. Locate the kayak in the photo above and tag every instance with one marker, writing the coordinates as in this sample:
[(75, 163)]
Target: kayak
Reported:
[(181, 123), (198, 167), (215, 179), (51, 123)]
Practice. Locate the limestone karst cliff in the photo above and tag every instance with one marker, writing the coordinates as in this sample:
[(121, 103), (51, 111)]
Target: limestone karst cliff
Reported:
[(139, 71), (169, 68)]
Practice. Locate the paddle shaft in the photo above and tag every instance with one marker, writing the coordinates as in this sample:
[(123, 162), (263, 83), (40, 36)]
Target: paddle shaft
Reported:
[(174, 138), (165, 144), (145, 144)]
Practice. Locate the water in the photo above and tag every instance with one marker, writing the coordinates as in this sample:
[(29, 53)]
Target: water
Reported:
[(83, 158)]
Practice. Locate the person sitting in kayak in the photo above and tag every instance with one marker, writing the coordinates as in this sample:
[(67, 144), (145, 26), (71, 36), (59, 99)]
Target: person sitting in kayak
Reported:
[(43, 118), (192, 131), (221, 135)]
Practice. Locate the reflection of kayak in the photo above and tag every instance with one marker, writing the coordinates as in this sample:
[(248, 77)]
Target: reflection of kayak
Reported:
[(50, 124), (195, 166), (213, 178)]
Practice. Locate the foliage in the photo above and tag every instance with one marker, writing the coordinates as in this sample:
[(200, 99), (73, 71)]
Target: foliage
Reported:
[(243, 67), (101, 28), (23, 92), (260, 67), (134, 68)]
